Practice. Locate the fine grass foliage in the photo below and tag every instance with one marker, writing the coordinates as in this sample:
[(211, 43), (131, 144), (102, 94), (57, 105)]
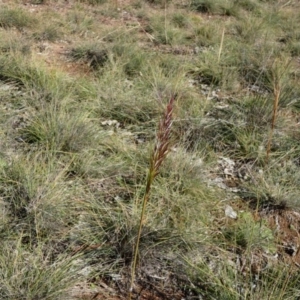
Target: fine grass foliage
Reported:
[(49, 33), (15, 17), (13, 42), (274, 186), (82, 88), (33, 76), (33, 275), (279, 281), (167, 31), (36, 201), (58, 131), (226, 8), (248, 235), (78, 21), (95, 56)]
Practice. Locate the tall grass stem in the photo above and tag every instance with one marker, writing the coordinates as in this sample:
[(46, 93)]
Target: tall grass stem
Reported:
[(159, 153), (221, 45), (277, 91)]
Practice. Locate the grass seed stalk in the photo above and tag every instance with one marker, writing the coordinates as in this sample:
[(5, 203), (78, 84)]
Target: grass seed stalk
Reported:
[(277, 82), (159, 153), (274, 117)]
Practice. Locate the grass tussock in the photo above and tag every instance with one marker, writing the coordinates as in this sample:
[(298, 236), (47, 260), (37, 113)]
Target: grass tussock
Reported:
[(15, 18), (27, 274)]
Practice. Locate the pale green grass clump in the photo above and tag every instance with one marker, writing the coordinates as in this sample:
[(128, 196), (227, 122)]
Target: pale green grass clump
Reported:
[(25, 273), (15, 17)]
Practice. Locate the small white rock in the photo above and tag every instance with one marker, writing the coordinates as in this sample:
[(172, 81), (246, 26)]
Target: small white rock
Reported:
[(230, 213)]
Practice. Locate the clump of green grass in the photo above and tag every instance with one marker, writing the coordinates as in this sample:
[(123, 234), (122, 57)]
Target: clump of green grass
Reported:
[(13, 43), (114, 96), (272, 186), (226, 8), (59, 131), (162, 3), (165, 31), (295, 49), (278, 79), (94, 55), (165, 77), (49, 33), (181, 20), (15, 17), (246, 282), (249, 5), (78, 21), (33, 275), (119, 52), (130, 57), (93, 2), (258, 70), (249, 235), (34, 77), (251, 29), (240, 128), (206, 35), (208, 71), (36, 200)]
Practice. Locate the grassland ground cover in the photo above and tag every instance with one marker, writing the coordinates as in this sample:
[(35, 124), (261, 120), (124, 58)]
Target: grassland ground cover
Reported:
[(83, 85)]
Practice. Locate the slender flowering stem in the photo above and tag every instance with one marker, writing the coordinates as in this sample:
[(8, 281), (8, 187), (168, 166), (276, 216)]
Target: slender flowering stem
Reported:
[(278, 80), (161, 149), (274, 116)]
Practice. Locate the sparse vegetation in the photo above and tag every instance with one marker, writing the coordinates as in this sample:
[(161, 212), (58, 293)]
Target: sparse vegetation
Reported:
[(83, 85)]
